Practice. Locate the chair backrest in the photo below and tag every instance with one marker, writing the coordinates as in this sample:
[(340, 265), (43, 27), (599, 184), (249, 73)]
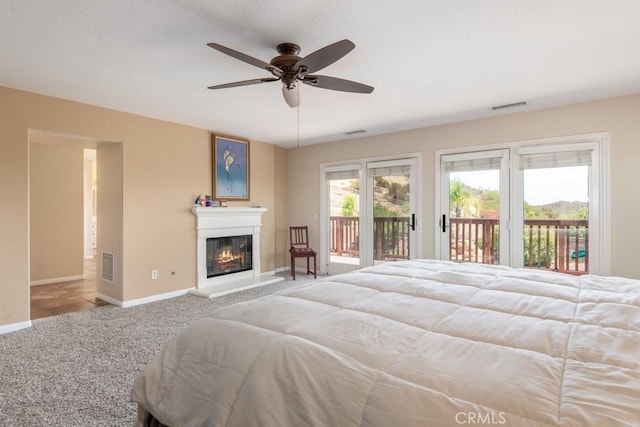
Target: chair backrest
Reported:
[(299, 236)]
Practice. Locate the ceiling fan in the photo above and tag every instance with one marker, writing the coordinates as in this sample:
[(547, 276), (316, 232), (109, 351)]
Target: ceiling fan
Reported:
[(292, 69)]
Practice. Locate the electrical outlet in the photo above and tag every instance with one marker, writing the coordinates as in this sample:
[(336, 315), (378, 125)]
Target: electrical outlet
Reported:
[(154, 274)]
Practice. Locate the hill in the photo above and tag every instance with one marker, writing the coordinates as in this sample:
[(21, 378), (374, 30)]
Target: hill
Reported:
[(564, 210)]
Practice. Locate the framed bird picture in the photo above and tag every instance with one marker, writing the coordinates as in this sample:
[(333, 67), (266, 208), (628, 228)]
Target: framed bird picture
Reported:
[(230, 168)]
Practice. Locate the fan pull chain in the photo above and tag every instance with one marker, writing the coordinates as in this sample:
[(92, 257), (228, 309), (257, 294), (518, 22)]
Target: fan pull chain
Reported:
[(298, 114)]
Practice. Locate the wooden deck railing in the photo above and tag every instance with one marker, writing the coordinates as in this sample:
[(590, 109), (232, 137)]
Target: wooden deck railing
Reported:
[(472, 240), (391, 237), (557, 244), (551, 244)]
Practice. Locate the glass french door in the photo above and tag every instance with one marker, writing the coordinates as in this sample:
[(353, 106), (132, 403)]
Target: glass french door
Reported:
[(392, 210), (555, 209), (370, 214), (534, 206), (474, 202), (341, 242)]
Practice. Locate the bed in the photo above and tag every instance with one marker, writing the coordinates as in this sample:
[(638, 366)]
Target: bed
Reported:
[(409, 343)]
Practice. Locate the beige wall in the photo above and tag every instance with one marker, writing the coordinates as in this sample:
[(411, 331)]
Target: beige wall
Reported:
[(619, 116), (164, 166), (109, 215), (57, 221), (281, 208)]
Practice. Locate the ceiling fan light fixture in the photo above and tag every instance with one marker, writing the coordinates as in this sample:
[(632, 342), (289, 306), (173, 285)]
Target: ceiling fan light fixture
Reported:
[(291, 94), (292, 69)]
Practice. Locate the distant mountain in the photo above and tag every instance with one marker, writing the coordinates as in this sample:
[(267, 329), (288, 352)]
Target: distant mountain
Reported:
[(489, 200), (563, 209)]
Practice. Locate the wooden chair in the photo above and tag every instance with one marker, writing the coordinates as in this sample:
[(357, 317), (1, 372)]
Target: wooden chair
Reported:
[(299, 238)]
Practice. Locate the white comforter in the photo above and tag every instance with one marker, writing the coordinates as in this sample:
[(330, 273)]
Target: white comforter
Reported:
[(416, 343)]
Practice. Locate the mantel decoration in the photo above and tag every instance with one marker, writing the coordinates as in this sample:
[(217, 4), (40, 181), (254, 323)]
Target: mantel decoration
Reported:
[(230, 168), (205, 201)]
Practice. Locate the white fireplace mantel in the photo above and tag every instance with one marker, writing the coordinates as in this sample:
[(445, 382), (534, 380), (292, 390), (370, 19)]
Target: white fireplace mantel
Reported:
[(223, 222), (215, 218)]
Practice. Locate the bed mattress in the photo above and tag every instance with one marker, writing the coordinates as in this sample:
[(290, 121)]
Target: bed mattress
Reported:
[(410, 343)]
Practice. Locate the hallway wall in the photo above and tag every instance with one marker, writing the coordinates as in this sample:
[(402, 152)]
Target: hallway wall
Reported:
[(56, 212)]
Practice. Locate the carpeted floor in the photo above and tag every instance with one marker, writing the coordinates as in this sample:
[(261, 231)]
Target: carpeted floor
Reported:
[(78, 369)]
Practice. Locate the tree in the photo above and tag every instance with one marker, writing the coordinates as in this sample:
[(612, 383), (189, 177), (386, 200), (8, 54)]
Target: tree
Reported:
[(349, 205), (458, 197), (533, 212), (490, 201), (582, 213), (380, 210)]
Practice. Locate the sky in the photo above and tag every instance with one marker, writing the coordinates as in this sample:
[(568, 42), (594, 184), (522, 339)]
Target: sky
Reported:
[(541, 186)]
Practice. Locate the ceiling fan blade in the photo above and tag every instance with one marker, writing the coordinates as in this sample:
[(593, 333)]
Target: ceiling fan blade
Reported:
[(333, 83), (245, 58), (292, 96), (244, 83), (326, 56)]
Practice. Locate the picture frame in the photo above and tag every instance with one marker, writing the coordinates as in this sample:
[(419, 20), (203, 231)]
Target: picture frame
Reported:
[(230, 168)]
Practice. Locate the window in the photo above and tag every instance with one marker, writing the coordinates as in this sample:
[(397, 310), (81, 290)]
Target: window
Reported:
[(539, 204)]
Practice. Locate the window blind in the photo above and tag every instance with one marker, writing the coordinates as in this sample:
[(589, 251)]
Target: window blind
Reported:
[(472, 164), (472, 161), (557, 159), (344, 174), (396, 170)]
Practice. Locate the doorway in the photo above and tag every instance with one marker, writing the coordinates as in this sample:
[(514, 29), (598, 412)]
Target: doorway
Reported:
[(369, 213), (342, 184), (391, 207), (63, 215), (541, 204), (475, 207)]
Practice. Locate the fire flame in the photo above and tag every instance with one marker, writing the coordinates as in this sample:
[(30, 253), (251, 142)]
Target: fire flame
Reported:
[(227, 255)]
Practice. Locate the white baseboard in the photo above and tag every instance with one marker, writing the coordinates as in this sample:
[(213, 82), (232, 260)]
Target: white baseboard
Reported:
[(140, 301), (56, 280), (288, 269), (109, 299), (12, 327)]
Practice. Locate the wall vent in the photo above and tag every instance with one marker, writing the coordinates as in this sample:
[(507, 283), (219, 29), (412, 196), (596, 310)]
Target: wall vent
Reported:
[(107, 267)]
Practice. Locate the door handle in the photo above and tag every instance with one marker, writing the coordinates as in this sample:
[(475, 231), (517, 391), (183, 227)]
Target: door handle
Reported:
[(443, 223), (413, 223)]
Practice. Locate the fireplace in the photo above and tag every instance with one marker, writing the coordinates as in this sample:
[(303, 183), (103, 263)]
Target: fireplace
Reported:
[(228, 250), (228, 255)]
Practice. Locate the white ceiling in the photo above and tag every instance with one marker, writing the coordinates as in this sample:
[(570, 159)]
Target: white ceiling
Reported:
[(430, 61)]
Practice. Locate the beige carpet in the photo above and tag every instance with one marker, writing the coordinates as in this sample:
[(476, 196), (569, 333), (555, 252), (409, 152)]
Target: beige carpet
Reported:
[(78, 369)]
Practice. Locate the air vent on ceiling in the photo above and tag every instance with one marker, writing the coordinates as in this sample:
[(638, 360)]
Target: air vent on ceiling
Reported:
[(107, 267), (353, 132), (515, 104)]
